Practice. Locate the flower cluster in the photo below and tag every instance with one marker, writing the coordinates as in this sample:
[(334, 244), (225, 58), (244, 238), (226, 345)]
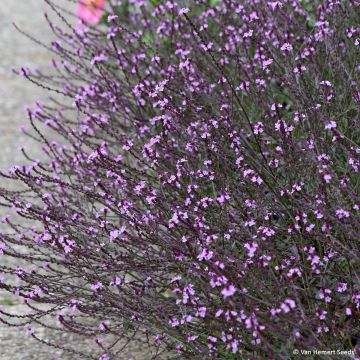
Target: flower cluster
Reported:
[(202, 196)]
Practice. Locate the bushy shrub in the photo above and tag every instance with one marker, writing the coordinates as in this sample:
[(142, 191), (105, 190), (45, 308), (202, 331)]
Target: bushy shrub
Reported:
[(205, 195)]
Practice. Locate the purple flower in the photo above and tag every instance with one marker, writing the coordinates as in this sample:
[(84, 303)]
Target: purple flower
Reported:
[(183, 11), (96, 286), (228, 291)]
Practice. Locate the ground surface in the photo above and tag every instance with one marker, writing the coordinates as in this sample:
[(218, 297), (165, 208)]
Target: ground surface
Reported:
[(17, 51), (15, 93)]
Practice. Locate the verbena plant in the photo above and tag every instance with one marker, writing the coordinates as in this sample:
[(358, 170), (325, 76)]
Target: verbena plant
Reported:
[(205, 196)]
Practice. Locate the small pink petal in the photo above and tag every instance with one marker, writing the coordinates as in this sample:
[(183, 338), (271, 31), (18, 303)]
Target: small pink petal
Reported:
[(90, 11)]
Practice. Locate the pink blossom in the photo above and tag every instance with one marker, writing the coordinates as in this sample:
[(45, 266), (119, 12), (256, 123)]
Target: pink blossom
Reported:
[(274, 5), (293, 272), (325, 83), (114, 234), (341, 287), (201, 312), (341, 213), (325, 295), (98, 58), (90, 11), (174, 322), (192, 338), (288, 305), (228, 291), (248, 34), (218, 313), (286, 47), (327, 178), (30, 331), (251, 247), (222, 198), (183, 11), (321, 314), (112, 18), (299, 69), (205, 254), (2, 248), (330, 125), (97, 286)]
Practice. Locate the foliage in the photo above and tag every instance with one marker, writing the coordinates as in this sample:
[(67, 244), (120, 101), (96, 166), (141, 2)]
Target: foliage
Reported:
[(205, 196)]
